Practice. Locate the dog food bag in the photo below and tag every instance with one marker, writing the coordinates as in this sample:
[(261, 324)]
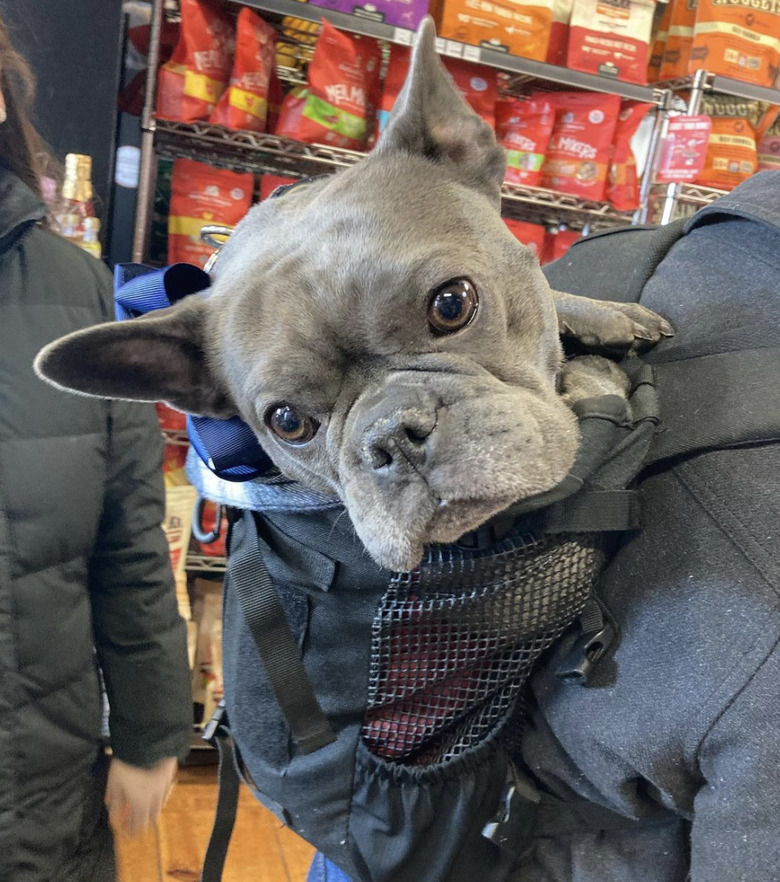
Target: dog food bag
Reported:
[(244, 104), (557, 241), (623, 181), (611, 38), (739, 39), (269, 183), (339, 104), (477, 83), (523, 127), (519, 27), (677, 53), (400, 13), (731, 149), (559, 33), (200, 195), (579, 151), (769, 143), (530, 234), (179, 505), (190, 84), (207, 673), (658, 43)]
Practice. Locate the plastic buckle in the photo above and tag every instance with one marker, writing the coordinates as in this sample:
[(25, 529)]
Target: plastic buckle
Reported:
[(586, 652), (512, 827), (218, 721)]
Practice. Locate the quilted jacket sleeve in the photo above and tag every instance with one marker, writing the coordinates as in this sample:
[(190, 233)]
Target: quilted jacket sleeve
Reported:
[(139, 635)]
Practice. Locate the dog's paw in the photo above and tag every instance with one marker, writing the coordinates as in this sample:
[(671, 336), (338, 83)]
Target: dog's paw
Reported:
[(589, 376), (604, 326)]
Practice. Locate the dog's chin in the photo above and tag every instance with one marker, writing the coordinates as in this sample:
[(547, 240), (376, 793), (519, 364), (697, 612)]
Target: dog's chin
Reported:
[(449, 521), (453, 519)]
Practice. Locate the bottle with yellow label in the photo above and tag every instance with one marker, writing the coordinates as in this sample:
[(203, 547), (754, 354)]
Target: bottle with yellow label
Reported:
[(76, 203), (90, 241)]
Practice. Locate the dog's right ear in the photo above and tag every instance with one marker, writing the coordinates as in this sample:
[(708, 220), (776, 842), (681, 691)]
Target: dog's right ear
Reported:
[(431, 119), (160, 357)]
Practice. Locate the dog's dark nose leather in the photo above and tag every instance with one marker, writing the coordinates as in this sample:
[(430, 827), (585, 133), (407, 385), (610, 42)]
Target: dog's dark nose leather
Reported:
[(395, 431)]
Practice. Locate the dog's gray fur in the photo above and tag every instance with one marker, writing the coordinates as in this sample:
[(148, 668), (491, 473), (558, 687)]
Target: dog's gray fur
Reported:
[(320, 299)]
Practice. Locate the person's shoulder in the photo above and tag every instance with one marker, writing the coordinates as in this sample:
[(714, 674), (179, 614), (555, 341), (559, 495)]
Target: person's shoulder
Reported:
[(63, 272)]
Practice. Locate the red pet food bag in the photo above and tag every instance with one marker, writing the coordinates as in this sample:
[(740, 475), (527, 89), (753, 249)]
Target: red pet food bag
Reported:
[(338, 106), (244, 104), (523, 127), (623, 181), (559, 33), (611, 38), (557, 242), (530, 234), (579, 151), (269, 183), (200, 195), (191, 83), (475, 82)]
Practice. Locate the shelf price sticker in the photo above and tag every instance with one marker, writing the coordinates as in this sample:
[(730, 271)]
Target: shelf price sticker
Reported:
[(684, 149)]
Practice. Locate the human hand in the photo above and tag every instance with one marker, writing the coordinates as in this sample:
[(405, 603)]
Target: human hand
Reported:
[(135, 795)]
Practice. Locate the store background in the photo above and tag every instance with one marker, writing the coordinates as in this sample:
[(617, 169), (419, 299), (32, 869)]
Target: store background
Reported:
[(82, 59)]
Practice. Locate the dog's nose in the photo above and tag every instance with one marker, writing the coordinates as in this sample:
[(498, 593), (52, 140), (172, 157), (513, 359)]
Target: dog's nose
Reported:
[(399, 440), (395, 429)]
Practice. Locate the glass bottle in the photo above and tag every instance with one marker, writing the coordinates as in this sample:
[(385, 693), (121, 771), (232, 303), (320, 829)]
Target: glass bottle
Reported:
[(76, 196), (90, 241)]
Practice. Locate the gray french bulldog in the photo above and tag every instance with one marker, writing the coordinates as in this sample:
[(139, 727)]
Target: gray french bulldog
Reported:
[(384, 335)]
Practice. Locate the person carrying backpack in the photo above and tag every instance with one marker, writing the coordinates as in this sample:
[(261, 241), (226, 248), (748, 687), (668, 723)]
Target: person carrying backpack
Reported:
[(662, 765)]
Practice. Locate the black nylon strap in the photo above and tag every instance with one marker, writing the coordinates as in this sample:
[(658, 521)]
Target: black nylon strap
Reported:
[(744, 386), (275, 642), (588, 511), (227, 805)]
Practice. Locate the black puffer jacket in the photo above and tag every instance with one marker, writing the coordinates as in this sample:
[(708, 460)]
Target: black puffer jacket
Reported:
[(85, 577)]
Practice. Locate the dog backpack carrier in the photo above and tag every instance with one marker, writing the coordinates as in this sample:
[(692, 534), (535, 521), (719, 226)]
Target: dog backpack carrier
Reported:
[(378, 714)]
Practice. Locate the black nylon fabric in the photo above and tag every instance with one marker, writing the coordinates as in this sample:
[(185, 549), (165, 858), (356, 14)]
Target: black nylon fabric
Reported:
[(377, 817), (84, 570)]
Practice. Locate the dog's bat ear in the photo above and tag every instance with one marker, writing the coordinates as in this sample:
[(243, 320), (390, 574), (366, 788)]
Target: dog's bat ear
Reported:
[(431, 118), (160, 357)]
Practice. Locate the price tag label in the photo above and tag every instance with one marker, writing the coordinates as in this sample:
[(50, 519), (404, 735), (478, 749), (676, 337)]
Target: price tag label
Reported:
[(403, 36), (454, 50), (472, 53), (684, 149)]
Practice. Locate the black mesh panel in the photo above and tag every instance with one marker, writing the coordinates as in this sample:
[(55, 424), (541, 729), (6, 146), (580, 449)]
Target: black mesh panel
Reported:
[(454, 640)]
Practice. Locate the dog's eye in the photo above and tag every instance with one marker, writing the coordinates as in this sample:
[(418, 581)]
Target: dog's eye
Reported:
[(287, 423), (452, 306)]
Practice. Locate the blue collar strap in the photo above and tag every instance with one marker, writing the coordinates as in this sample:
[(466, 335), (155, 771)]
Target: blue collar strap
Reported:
[(229, 448)]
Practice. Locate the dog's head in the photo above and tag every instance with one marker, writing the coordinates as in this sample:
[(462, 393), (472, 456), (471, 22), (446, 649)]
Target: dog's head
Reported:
[(381, 331)]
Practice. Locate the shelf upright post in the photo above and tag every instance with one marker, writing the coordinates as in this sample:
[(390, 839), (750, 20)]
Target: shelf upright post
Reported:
[(653, 154), (148, 167), (698, 87)]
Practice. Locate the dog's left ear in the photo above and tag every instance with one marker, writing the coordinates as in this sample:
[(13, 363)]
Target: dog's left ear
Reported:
[(430, 118)]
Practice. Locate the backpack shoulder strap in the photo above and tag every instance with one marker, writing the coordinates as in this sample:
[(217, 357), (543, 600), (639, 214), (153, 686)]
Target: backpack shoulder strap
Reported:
[(596, 267), (744, 385)]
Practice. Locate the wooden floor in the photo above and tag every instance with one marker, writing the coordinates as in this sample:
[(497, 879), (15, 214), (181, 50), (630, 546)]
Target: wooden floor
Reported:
[(261, 850)]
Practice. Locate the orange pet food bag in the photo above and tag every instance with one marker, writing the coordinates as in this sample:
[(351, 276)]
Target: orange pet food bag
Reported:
[(739, 39), (623, 181), (244, 104), (523, 127), (659, 42), (519, 27), (677, 53), (339, 104), (578, 154), (200, 195), (190, 84), (611, 38), (731, 150)]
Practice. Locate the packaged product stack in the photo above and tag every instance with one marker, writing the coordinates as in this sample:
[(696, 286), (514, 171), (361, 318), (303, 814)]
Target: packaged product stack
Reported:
[(400, 13)]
